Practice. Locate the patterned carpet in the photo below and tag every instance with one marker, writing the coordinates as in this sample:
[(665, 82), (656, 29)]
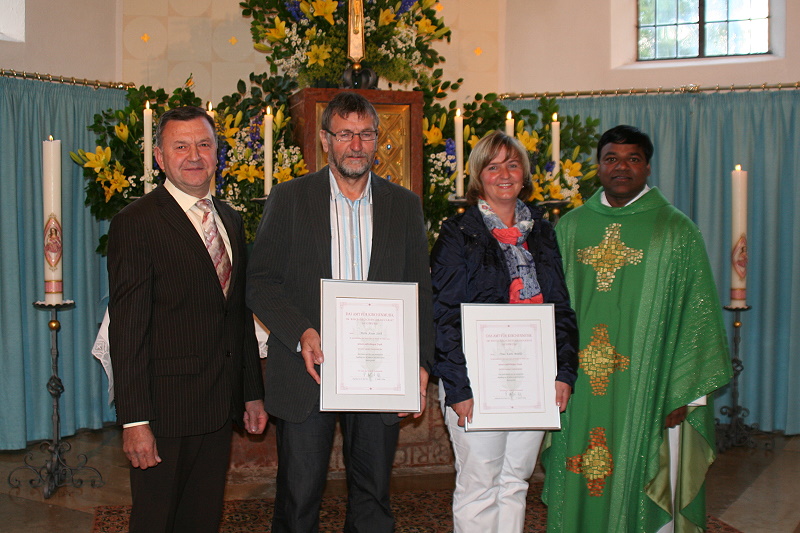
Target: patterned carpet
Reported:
[(416, 512)]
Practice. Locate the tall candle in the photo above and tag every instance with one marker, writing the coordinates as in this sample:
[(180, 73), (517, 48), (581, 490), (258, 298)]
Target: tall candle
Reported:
[(148, 148), (459, 139), (268, 121), (555, 130), (739, 237), (212, 185), (53, 238), (510, 124)]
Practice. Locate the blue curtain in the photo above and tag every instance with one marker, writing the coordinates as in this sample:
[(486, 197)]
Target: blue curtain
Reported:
[(30, 111), (698, 140)]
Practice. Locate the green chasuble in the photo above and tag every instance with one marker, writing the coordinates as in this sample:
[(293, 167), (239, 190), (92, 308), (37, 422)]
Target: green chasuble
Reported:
[(651, 340)]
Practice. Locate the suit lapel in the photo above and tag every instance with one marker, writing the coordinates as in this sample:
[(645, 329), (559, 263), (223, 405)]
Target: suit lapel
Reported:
[(319, 225), (231, 228), (382, 212), (186, 234)]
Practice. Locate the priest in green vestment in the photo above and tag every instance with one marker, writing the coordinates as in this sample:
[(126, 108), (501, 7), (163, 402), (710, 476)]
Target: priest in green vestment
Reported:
[(652, 347)]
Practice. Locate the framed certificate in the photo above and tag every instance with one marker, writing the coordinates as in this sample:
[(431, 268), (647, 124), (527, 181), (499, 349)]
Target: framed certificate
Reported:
[(370, 339), (511, 362)]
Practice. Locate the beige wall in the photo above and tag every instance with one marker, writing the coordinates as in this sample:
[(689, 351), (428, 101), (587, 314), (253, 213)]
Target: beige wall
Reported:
[(525, 46), (570, 45), (75, 38)]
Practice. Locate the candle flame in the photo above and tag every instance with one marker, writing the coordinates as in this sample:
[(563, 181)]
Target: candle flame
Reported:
[(458, 112), (210, 107), (50, 138), (269, 110), (738, 167), (147, 104), (508, 116), (555, 117)]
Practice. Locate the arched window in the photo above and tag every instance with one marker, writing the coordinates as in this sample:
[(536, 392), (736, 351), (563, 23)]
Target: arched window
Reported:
[(676, 29)]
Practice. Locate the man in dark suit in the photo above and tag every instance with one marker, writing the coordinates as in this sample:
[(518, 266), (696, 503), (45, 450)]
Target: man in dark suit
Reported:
[(183, 345), (342, 222)]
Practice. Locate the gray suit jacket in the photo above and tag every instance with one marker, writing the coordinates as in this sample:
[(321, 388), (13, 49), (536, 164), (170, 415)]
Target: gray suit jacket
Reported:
[(292, 254), (184, 357)]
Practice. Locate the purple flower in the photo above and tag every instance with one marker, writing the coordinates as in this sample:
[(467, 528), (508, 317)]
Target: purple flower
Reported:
[(405, 5), (549, 166), (293, 7)]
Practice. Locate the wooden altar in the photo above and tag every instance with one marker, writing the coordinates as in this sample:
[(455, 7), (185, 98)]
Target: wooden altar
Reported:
[(424, 445)]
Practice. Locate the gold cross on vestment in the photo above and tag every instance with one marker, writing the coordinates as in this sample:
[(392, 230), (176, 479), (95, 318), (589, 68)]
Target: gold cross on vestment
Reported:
[(609, 256), (600, 359)]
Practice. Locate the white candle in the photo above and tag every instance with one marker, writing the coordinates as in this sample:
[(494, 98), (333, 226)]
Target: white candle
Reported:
[(53, 238), (459, 130), (268, 120), (212, 185), (739, 237), (148, 148), (510, 124), (555, 129)]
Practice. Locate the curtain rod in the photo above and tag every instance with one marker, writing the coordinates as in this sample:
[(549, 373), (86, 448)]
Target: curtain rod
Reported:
[(659, 90), (11, 73)]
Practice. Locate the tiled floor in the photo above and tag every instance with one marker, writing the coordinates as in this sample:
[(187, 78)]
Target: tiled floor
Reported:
[(752, 489)]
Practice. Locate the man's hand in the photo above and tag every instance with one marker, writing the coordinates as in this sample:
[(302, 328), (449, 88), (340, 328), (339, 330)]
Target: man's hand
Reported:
[(423, 394), (255, 418), (311, 350), (139, 445), (563, 392), (464, 411), (676, 417)]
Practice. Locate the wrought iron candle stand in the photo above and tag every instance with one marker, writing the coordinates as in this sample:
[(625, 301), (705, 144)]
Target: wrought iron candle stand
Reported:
[(737, 432), (55, 472)]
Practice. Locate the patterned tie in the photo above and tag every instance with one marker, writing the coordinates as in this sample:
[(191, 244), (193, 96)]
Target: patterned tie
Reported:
[(215, 246)]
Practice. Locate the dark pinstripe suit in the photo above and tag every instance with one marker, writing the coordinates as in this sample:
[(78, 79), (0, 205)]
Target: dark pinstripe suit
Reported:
[(293, 252), (185, 358)]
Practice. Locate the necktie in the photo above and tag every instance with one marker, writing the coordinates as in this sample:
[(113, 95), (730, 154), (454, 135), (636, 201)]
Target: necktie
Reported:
[(215, 246)]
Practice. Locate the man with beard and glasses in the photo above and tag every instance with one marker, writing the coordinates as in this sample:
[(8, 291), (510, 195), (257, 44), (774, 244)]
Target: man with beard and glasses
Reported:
[(342, 222)]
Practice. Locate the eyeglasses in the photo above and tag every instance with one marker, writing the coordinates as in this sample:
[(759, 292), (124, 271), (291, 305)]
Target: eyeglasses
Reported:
[(347, 135)]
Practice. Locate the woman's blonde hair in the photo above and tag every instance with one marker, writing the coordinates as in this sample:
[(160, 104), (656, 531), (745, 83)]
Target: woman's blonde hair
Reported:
[(483, 154)]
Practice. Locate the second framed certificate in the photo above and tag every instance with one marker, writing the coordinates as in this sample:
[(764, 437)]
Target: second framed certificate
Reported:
[(370, 339), (511, 363)]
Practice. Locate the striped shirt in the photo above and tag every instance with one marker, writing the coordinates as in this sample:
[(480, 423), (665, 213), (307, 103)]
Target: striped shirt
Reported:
[(351, 233)]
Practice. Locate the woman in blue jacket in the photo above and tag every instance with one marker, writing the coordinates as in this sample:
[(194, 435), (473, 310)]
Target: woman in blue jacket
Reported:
[(500, 250)]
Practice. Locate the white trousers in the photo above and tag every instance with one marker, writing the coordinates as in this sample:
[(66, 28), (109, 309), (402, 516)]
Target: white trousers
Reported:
[(492, 471)]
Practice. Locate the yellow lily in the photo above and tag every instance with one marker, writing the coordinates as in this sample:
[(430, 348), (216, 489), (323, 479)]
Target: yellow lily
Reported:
[(386, 17), (433, 136), (573, 169), (121, 130), (554, 191), (424, 26), (248, 172), (229, 131), (473, 140), (300, 168), (318, 54), (311, 33), (305, 8), (283, 174), (98, 160), (538, 191), (277, 33), (325, 9), (576, 200), (528, 140)]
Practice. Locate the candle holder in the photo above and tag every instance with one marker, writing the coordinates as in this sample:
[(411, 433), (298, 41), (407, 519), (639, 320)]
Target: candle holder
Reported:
[(459, 202), (55, 472), (737, 432)]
